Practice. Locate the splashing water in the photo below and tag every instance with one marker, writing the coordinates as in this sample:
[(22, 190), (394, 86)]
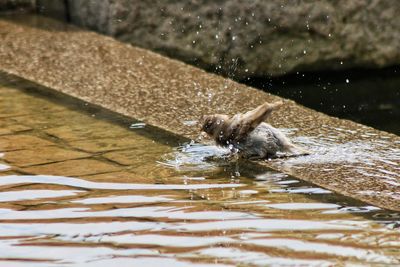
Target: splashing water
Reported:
[(194, 156)]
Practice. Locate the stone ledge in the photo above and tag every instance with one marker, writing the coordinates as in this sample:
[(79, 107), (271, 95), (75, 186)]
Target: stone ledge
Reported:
[(348, 158)]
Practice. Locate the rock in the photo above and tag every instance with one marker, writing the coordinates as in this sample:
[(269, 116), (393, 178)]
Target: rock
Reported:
[(53, 8), (7, 5), (255, 38)]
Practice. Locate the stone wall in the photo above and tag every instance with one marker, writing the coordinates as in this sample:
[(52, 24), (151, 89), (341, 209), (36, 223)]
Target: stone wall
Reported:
[(248, 38), (254, 38), (7, 5)]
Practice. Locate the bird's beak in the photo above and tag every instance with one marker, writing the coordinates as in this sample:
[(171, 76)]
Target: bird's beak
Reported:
[(203, 134)]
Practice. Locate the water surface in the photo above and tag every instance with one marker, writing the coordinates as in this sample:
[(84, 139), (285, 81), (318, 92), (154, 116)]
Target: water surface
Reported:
[(82, 187)]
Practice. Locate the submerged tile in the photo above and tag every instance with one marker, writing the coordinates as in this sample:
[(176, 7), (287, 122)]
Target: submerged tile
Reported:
[(54, 119), (42, 155), (138, 155), (93, 130), (77, 167), (13, 128), (105, 144), (16, 142)]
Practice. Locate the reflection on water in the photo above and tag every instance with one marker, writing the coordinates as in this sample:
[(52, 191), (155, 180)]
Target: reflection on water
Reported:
[(81, 183), (35, 194), (134, 200)]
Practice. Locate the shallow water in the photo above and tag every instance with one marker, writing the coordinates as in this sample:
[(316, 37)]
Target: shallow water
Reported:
[(82, 187)]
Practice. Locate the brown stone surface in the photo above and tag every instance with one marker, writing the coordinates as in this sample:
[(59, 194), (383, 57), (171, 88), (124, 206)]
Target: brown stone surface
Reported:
[(349, 158), (16, 142), (77, 167), (48, 154)]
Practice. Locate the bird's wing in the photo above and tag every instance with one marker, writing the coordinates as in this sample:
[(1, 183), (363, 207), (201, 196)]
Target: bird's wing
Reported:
[(240, 125)]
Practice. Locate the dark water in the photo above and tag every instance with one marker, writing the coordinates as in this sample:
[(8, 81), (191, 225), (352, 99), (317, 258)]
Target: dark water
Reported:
[(370, 97)]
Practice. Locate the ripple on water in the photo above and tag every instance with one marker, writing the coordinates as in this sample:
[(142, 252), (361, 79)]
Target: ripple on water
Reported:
[(259, 259), (81, 183), (36, 194), (322, 248), (301, 190), (122, 199), (4, 167), (303, 206), (180, 213)]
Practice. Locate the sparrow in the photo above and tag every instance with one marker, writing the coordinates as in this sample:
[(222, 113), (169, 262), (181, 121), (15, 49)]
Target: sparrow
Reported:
[(249, 135)]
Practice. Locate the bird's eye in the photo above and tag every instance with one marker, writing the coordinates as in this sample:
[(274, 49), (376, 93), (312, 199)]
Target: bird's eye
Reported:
[(207, 125)]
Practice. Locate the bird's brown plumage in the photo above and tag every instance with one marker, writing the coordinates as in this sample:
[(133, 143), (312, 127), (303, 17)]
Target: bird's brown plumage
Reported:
[(238, 131), (230, 130)]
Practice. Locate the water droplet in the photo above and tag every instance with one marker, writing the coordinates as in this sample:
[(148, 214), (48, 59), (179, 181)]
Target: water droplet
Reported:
[(138, 125), (190, 122)]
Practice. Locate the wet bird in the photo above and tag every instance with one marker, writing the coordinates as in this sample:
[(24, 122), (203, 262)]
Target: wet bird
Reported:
[(249, 134)]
